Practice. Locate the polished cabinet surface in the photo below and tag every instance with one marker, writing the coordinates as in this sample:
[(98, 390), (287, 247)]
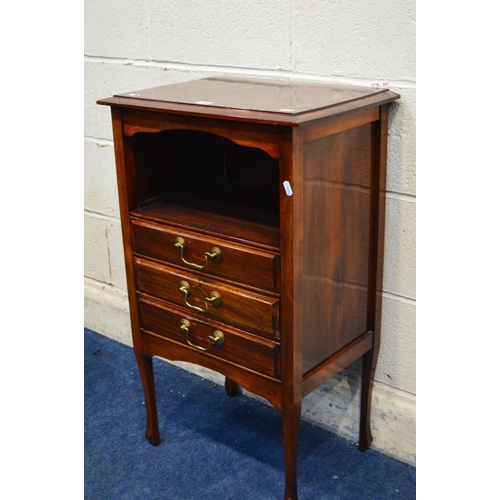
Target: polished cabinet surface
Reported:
[(253, 215)]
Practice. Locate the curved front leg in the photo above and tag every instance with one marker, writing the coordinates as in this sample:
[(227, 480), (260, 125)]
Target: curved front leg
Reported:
[(145, 364)]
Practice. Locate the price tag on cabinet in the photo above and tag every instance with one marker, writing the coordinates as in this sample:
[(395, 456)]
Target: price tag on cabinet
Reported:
[(288, 188)]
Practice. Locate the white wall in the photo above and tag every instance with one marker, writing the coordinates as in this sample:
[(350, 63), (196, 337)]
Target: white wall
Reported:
[(130, 45)]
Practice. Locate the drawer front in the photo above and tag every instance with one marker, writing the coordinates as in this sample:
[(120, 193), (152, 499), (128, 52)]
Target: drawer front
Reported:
[(195, 251), (254, 312), (242, 348)]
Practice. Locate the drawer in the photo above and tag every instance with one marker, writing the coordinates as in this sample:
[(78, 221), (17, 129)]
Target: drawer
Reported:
[(242, 348), (191, 250), (238, 307)]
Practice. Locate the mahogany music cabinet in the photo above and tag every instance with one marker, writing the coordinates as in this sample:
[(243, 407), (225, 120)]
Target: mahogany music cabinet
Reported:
[(252, 214)]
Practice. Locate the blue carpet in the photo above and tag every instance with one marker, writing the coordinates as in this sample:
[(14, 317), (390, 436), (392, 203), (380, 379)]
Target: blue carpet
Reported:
[(213, 447)]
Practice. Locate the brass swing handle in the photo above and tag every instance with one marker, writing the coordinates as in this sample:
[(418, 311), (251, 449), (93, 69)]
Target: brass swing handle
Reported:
[(214, 298), (215, 254), (216, 338)]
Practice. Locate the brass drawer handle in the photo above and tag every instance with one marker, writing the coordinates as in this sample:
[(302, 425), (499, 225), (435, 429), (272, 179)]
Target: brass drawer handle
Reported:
[(216, 338), (215, 254), (214, 298)]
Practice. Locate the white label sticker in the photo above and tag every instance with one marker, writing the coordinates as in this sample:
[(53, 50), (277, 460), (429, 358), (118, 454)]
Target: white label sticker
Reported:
[(206, 103), (288, 188), (287, 110)]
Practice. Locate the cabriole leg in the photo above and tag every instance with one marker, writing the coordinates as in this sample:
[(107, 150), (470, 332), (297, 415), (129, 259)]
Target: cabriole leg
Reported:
[(368, 371), (145, 364)]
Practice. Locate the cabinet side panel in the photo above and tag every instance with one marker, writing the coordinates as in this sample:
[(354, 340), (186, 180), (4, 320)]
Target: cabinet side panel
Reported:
[(336, 242)]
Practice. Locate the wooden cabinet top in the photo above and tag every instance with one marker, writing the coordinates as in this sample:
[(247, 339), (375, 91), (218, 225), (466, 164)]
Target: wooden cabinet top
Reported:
[(280, 102)]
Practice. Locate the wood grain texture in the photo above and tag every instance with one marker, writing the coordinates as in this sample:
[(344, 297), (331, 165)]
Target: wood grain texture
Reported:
[(252, 351), (252, 94), (254, 312), (372, 98), (127, 196), (198, 217), (336, 257), (374, 313), (267, 387), (337, 362), (262, 137), (157, 241), (292, 252), (330, 125), (294, 197)]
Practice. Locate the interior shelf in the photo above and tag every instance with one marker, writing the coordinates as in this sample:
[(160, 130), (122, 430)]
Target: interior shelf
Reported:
[(227, 208)]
